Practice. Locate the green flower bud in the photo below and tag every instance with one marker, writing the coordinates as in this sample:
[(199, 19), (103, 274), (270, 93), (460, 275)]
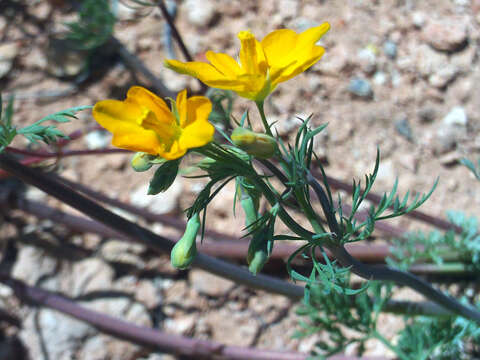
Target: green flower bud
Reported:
[(248, 205), (257, 254), (206, 164), (142, 161), (259, 145), (184, 251)]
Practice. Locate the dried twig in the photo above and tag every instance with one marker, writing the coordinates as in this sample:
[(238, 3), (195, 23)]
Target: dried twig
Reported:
[(140, 335), (136, 233), (176, 34)]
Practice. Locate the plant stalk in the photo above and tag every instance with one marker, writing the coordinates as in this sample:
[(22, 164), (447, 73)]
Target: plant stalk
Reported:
[(135, 233), (384, 273), (173, 344), (261, 110), (140, 234)]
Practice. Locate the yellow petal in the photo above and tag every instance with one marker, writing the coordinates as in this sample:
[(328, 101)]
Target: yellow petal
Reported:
[(152, 102), (278, 47), (299, 66), (197, 131), (198, 109), (288, 53), (224, 64), (182, 106), (137, 139), (202, 71), (251, 54), (175, 152), (166, 132), (196, 134), (123, 121), (109, 113), (206, 73), (254, 87), (310, 36)]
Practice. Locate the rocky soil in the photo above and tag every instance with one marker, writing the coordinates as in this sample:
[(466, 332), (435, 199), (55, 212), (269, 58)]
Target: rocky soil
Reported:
[(400, 75)]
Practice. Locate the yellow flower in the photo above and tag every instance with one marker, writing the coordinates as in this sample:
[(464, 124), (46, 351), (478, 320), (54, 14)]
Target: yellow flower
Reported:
[(143, 122), (281, 55)]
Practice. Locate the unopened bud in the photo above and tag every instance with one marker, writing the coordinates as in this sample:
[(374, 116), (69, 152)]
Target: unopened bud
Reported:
[(256, 144), (184, 251), (257, 254), (142, 161), (206, 163), (248, 205)]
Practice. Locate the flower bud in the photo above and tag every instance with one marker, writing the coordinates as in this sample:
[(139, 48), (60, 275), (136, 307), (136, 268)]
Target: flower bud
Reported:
[(248, 205), (206, 164), (184, 251), (256, 144), (141, 161), (257, 254)]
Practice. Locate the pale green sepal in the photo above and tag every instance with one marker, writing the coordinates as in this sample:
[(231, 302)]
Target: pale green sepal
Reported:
[(184, 251)]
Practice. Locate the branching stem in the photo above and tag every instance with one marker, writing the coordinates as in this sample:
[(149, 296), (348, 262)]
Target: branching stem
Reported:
[(385, 273)]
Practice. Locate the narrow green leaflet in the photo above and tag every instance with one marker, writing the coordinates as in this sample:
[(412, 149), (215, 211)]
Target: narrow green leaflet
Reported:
[(37, 131), (49, 133), (471, 167)]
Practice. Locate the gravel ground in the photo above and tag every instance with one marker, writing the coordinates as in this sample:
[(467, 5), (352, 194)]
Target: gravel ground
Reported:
[(398, 75)]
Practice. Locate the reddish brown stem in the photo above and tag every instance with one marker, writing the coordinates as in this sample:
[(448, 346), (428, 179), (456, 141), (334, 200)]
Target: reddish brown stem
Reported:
[(226, 248), (334, 183), (28, 161), (47, 154), (141, 335), (386, 229), (174, 222), (37, 157)]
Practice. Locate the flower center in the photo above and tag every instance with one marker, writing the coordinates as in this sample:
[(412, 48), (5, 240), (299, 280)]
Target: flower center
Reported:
[(167, 130)]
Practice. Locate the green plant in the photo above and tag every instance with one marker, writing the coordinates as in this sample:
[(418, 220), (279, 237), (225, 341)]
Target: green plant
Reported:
[(37, 131)]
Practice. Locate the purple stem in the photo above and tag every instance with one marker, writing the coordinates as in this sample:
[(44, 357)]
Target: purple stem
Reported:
[(173, 344)]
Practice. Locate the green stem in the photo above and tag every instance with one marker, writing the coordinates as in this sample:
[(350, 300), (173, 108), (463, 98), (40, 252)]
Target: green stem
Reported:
[(326, 206), (446, 268), (287, 219), (385, 273), (264, 119), (447, 255), (309, 212), (387, 343), (240, 168)]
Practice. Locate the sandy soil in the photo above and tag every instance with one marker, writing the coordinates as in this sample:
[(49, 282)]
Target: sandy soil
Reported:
[(419, 60)]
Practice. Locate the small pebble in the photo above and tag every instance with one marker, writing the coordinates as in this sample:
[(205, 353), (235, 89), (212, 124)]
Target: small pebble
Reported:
[(396, 78), (450, 34), (8, 52), (418, 19), (450, 159), (402, 125), (390, 49), (443, 77), (367, 60), (97, 139), (200, 13), (457, 116), (380, 78), (360, 87), (427, 114)]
